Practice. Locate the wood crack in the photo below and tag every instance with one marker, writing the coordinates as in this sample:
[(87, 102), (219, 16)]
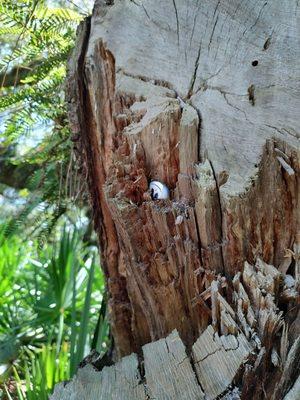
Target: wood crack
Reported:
[(153, 81), (208, 355), (146, 12), (257, 19), (192, 363), (280, 132), (143, 381), (212, 33), (193, 80), (225, 94), (235, 107), (217, 6), (221, 214), (194, 25), (177, 21)]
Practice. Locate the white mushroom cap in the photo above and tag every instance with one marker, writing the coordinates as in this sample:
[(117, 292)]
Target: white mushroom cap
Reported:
[(159, 191)]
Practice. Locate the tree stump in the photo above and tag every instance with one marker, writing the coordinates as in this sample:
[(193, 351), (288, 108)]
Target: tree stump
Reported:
[(202, 96)]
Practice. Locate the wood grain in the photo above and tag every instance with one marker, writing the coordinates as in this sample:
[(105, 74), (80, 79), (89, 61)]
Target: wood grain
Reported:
[(168, 371)]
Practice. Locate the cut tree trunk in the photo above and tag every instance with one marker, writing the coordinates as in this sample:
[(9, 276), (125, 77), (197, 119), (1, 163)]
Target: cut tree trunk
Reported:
[(203, 96)]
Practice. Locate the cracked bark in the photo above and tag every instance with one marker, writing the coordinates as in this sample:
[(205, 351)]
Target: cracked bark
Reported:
[(133, 102)]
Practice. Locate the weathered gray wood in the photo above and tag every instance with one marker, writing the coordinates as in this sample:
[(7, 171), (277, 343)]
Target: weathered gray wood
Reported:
[(217, 360), (169, 374), (294, 393), (168, 371), (122, 381)]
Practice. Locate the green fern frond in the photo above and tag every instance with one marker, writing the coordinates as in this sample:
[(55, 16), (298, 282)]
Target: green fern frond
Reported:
[(6, 29), (64, 14), (43, 38)]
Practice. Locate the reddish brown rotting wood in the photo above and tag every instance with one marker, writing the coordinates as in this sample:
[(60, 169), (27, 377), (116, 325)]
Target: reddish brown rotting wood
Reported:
[(264, 220), (82, 121)]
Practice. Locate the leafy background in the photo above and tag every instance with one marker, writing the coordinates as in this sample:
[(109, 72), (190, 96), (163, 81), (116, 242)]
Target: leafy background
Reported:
[(52, 291)]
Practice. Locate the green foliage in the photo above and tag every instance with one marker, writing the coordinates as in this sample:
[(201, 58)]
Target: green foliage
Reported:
[(52, 301), (42, 372), (42, 40), (49, 319), (38, 41), (8, 263)]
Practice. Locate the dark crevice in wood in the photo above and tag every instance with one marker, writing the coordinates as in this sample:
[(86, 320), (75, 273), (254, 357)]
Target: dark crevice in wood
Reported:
[(267, 44), (192, 362), (199, 239), (153, 81), (221, 228), (146, 12), (194, 76), (141, 369), (213, 31), (177, 22), (251, 95), (199, 130)]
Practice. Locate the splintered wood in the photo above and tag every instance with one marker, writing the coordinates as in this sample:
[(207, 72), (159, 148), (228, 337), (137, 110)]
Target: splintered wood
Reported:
[(239, 348), (217, 360)]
